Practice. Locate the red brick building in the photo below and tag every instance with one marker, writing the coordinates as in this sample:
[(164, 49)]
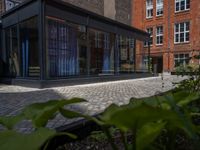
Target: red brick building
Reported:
[(175, 29)]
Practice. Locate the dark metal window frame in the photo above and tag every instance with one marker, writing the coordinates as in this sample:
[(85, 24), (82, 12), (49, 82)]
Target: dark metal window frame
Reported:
[(71, 13)]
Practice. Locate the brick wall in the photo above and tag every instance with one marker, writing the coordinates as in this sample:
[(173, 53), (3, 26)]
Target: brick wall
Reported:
[(169, 18), (1, 6), (114, 9), (123, 11), (92, 5)]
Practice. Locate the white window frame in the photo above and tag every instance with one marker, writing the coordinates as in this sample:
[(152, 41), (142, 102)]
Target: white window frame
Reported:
[(159, 6), (159, 34), (179, 59), (185, 32), (179, 3), (149, 7), (150, 31)]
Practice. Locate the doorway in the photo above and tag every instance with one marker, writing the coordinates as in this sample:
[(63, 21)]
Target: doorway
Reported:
[(157, 64)]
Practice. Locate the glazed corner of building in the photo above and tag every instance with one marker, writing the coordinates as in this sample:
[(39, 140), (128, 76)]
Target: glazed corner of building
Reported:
[(51, 61)]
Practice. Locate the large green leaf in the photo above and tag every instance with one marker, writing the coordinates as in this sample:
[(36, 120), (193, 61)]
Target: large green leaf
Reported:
[(186, 99), (11, 140), (128, 118), (72, 114), (10, 121), (111, 110), (155, 101), (40, 113), (140, 115), (184, 122), (148, 133), (181, 98)]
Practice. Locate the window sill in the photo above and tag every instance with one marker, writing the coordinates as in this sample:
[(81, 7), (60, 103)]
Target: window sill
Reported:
[(181, 43), (159, 16), (149, 18), (147, 46), (159, 45), (182, 11)]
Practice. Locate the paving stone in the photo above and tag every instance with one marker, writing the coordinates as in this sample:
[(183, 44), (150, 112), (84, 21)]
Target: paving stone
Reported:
[(99, 96)]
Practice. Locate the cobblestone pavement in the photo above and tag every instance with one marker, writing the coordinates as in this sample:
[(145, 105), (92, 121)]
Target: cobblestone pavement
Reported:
[(99, 96)]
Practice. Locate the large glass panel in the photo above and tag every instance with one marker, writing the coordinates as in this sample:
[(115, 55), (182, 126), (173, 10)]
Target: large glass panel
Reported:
[(76, 50), (126, 54), (142, 57), (102, 46), (29, 48), (15, 51), (12, 52), (82, 45), (8, 68), (66, 48)]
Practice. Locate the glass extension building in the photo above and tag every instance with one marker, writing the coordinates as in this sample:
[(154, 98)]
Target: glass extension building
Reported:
[(48, 41)]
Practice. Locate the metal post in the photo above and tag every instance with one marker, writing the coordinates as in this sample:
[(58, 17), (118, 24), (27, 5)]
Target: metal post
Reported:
[(42, 50), (19, 48), (149, 59), (135, 56), (88, 50)]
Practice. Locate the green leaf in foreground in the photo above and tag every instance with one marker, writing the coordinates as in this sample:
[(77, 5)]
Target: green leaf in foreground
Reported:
[(41, 113), (72, 114), (10, 121), (128, 118), (148, 133), (11, 140)]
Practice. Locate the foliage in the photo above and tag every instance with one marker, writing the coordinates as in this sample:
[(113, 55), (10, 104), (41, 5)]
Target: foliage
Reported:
[(146, 118), (10, 121), (11, 140), (100, 135), (39, 114), (192, 83)]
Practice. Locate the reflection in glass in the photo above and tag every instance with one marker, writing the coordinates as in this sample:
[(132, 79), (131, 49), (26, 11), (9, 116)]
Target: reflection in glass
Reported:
[(12, 52), (74, 50), (101, 52), (82, 45), (126, 54), (29, 48), (8, 67), (62, 49), (15, 51)]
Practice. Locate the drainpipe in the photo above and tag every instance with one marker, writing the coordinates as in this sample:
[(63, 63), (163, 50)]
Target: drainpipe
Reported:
[(169, 33)]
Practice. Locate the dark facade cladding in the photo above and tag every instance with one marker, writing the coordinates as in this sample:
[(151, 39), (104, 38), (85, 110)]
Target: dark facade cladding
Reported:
[(48, 40), (115, 9)]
